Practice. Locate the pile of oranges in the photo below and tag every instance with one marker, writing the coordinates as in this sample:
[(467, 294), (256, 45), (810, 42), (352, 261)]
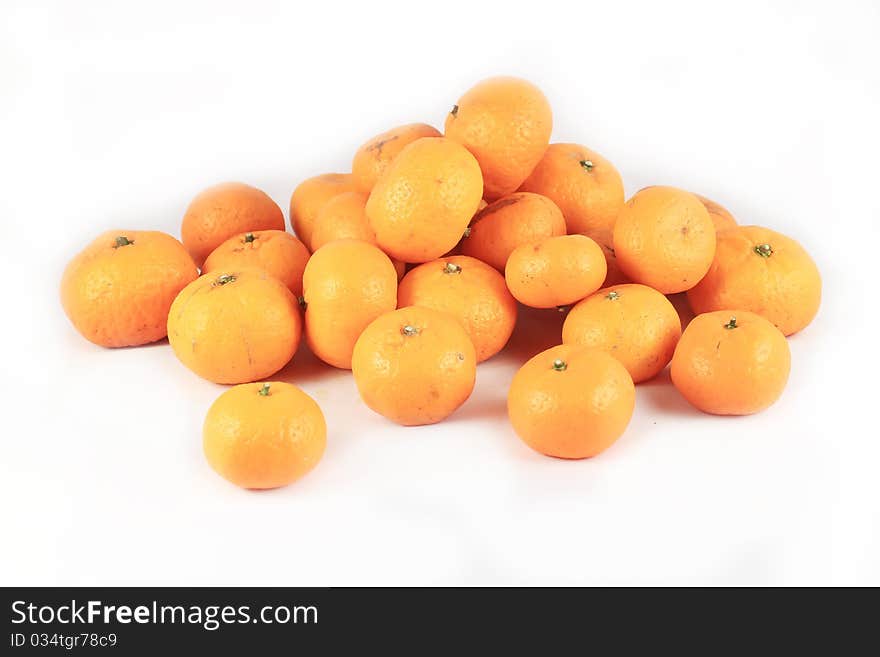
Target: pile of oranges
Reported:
[(410, 270)]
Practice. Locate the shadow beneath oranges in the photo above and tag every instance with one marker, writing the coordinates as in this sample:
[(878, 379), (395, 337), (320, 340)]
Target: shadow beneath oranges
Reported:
[(158, 343), (482, 407), (659, 394), (305, 367), (536, 330)]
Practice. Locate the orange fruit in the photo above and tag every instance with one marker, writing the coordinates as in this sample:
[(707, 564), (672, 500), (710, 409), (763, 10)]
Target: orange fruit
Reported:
[(731, 363), (344, 217), (414, 365), (277, 252), (585, 186), (373, 157), (763, 271), (506, 123), (347, 284), (117, 291), (264, 435), (719, 215), (634, 323), (510, 221), (571, 402), (310, 196), (235, 326), (469, 290), (556, 271), (423, 202), (224, 211), (664, 238)]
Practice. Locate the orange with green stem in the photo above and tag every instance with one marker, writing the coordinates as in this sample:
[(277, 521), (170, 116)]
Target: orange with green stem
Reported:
[(224, 211), (469, 290), (275, 251), (571, 402), (765, 272), (731, 362), (506, 123), (235, 326), (414, 365), (633, 323), (118, 290), (264, 435)]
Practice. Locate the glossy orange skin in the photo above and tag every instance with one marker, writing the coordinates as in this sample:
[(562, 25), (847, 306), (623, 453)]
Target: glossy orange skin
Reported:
[(237, 331), (420, 207), (119, 296), (589, 195), (719, 215), (574, 413), (276, 251), (556, 271), (224, 211), (664, 238), (310, 196), (266, 440), (634, 323), (347, 284), (512, 220), (731, 371), (784, 287), (506, 123), (469, 290), (374, 156), (344, 217), (414, 379)]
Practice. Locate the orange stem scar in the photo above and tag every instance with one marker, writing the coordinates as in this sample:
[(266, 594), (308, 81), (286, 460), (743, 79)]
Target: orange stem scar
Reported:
[(223, 279)]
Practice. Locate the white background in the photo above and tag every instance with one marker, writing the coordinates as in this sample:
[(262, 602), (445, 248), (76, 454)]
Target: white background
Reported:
[(114, 115)]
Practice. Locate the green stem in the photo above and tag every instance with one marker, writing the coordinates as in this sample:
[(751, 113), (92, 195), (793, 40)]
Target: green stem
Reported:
[(264, 391), (560, 365), (122, 240), (764, 250), (731, 324), (223, 279)]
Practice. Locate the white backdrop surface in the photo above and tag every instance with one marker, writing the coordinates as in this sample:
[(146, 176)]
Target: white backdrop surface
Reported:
[(113, 115)]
